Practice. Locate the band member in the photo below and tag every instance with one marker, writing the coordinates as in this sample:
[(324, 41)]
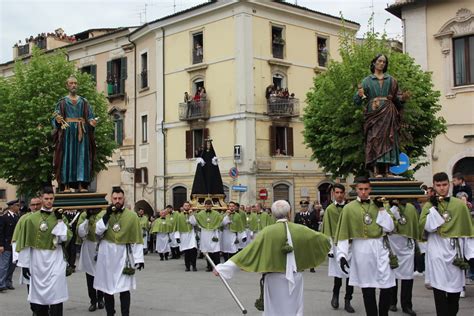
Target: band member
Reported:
[(403, 242), (233, 231), (447, 224), (162, 229), (186, 237), (209, 221), (330, 220), (280, 251), (88, 256), (41, 256), (360, 232), (120, 253)]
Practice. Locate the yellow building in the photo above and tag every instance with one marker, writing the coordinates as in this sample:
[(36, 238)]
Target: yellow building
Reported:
[(235, 49), (440, 36)]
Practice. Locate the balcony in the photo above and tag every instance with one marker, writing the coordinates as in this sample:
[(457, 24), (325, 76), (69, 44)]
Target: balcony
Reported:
[(23, 49), (283, 107), (194, 110)]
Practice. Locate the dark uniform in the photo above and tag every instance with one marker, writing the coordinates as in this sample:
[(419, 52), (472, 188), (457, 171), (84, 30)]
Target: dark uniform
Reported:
[(8, 222)]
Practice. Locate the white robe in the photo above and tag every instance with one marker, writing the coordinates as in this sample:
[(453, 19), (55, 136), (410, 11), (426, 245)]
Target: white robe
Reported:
[(48, 284), (404, 249), (187, 240), (370, 264), (88, 250), (163, 242), (229, 237), (334, 269), (205, 242), (440, 271), (277, 300), (111, 260)]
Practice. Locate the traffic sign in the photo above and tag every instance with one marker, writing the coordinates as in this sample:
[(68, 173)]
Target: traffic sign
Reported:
[(233, 173), (403, 166), (263, 194), (239, 188)]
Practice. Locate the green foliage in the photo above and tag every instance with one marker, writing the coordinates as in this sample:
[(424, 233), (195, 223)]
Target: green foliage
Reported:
[(27, 103), (334, 124)]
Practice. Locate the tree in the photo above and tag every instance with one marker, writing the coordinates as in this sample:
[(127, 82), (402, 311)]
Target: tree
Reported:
[(334, 124), (27, 103)]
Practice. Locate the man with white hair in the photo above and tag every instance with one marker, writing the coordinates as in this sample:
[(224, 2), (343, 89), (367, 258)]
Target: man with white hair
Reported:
[(279, 251)]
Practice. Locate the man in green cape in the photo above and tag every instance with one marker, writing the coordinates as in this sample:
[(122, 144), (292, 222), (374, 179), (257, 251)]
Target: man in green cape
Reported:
[(280, 251), (88, 255), (233, 231), (251, 225), (186, 237), (447, 224), (162, 228), (145, 225), (360, 239), (120, 253), (403, 242), (330, 220)]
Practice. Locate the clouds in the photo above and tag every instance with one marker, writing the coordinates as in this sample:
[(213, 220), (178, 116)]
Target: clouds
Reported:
[(21, 18)]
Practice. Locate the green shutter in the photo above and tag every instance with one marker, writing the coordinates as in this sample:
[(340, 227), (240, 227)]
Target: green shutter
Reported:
[(123, 68), (94, 72)]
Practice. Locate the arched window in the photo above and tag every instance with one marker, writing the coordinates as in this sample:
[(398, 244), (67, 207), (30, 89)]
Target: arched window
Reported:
[(324, 192), (281, 192), (465, 166), (179, 196), (279, 80)]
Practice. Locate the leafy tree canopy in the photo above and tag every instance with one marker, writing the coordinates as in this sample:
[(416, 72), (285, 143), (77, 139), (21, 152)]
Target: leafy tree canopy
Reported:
[(334, 124), (27, 101)]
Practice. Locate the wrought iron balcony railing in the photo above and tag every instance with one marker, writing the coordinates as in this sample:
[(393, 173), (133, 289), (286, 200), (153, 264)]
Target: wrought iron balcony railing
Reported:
[(283, 107), (194, 110)]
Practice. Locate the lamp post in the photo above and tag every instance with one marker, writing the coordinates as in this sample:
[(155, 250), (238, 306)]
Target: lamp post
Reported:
[(123, 167)]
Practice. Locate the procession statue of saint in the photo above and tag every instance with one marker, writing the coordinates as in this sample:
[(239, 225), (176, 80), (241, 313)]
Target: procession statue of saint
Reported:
[(74, 142), (382, 103)]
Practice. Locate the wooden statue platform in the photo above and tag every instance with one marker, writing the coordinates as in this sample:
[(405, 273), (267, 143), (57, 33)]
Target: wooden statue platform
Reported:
[(218, 203), (394, 188), (80, 201)]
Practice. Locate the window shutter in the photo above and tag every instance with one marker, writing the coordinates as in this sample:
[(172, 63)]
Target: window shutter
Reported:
[(109, 70), (289, 141), (94, 72), (272, 140), (205, 134), (120, 132), (189, 144), (138, 175), (145, 175), (123, 68)]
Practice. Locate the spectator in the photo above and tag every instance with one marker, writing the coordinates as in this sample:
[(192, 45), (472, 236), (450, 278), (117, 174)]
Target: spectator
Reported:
[(459, 185), (197, 95), (203, 94)]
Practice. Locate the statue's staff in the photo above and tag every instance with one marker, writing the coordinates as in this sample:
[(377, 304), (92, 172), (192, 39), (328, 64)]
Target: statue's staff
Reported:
[(236, 299)]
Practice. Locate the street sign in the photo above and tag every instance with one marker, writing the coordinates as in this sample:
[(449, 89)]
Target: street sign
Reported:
[(239, 188), (233, 173), (263, 194), (403, 166)]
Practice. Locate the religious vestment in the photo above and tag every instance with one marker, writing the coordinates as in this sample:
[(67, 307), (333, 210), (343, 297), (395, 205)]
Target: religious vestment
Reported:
[(250, 223), (162, 228), (209, 222), (145, 225), (184, 231), (280, 251), (88, 241), (40, 249), (16, 234), (364, 225), (232, 233), (120, 246), (447, 230)]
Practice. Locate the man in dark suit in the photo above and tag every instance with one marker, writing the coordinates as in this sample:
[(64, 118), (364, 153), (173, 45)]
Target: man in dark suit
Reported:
[(306, 218), (8, 221)]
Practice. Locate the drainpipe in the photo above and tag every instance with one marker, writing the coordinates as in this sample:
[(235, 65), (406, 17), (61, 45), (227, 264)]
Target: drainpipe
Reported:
[(134, 114), (163, 117)]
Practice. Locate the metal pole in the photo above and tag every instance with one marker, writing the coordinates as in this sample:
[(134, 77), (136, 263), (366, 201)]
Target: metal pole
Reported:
[(236, 299)]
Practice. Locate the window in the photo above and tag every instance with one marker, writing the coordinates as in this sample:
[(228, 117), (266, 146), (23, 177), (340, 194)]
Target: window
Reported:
[(23, 49), (3, 194), (281, 141), (144, 128), (179, 197), (198, 48), (117, 118), (278, 42), (116, 75), (141, 175), (91, 70), (144, 72), (279, 81), (322, 51), (281, 192), (463, 60), (195, 142)]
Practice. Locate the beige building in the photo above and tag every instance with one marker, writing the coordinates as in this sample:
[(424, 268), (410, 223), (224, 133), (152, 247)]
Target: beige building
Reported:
[(235, 49), (440, 36)]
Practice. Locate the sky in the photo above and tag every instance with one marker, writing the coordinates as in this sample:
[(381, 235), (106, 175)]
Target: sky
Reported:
[(21, 18)]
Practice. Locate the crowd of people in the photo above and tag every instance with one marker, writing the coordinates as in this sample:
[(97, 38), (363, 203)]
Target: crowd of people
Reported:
[(196, 103), (370, 242), (57, 34), (272, 91)]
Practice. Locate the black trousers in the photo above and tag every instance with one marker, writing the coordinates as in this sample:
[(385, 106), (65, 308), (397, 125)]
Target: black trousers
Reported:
[(190, 256), (47, 310), (175, 254), (215, 257), (164, 255), (72, 252), (124, 303), (95, 296), (227, 255), (447, 304), (337, 288), (405, 295), (370, 301)]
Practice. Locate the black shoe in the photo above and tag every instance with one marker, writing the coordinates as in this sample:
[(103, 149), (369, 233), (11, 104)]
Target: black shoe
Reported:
[(393, 308), (335, 302), (312, 270), (100, 305), (409, 311), (2, 289), (10, 287), (348, 307), (187, 270), (161, 259), (194, 269), (92, 308)]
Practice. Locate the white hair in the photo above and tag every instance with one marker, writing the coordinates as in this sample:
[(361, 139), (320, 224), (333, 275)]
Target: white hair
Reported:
[(281, 209)]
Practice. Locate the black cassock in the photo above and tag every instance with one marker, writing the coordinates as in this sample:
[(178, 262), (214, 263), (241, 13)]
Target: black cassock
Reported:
[(207, 179)]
